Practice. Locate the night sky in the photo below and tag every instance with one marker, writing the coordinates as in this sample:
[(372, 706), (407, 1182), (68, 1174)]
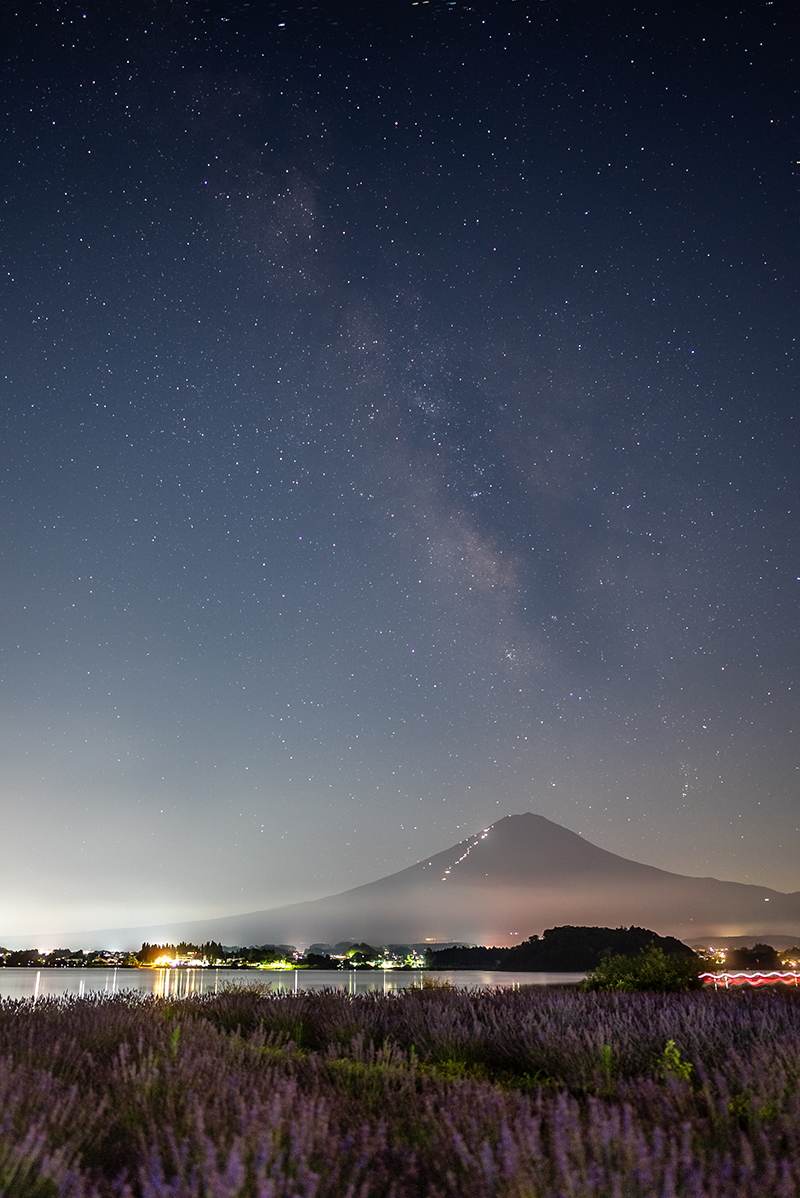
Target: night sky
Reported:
[(399, 431)]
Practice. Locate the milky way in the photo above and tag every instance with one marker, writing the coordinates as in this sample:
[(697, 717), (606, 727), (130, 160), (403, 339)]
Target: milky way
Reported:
[(399, 432)]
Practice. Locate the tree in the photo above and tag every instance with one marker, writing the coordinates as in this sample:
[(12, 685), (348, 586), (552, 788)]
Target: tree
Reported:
[(571, 948), (760, 956), (26, 956), (320, 961), (212, 950), (149, 953), (462, 957)]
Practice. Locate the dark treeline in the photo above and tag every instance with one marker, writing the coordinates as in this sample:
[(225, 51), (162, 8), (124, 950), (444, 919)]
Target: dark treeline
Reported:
[(760, 956), (212, 950), (63, 958), (149, 954), (563, 949)]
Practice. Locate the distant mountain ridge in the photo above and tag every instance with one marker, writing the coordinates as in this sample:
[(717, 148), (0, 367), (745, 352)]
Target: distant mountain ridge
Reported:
[(511, 880)]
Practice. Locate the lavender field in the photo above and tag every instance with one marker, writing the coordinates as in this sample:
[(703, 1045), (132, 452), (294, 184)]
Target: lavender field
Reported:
[(429, 1092)]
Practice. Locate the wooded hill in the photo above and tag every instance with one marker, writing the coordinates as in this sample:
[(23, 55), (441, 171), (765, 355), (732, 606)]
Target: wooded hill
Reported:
[(564, 949)]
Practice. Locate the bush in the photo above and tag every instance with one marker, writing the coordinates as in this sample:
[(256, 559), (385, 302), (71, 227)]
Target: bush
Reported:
[(651, 969)]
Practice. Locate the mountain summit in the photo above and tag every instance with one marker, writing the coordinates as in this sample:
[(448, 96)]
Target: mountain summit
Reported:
[(507, 882), (521, 875)]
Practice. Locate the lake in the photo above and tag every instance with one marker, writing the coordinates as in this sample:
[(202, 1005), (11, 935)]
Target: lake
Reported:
[(180, 983)]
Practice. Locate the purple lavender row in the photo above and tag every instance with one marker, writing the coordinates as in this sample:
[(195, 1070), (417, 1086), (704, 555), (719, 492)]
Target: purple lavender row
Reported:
[(519, 1094)]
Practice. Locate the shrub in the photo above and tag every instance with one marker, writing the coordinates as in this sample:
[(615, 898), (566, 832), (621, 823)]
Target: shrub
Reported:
[(257, 988), (651, 969), (437, 984)]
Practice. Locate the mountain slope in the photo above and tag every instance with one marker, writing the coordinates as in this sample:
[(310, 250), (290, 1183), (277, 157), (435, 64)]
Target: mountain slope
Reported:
[(523, 874), (515, 878)]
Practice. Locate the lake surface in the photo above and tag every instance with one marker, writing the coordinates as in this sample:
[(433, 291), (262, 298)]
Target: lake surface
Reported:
[(180, 983)]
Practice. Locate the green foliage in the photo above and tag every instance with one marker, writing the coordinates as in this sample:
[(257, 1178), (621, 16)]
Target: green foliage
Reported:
[(650, 969), (607, 1072), (434, 984), (367, 951), (672, 1065)]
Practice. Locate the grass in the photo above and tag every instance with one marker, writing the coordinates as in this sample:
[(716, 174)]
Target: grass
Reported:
[(432, 1092)]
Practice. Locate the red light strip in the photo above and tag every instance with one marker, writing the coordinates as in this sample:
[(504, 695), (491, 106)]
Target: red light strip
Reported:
[(771, 978)]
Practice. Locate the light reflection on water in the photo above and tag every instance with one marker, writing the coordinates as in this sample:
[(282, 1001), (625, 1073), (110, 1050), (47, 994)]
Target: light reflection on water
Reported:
[(181, 983)]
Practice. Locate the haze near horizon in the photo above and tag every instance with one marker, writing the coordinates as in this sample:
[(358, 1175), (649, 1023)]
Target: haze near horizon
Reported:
[(515, 878), (398, 431)]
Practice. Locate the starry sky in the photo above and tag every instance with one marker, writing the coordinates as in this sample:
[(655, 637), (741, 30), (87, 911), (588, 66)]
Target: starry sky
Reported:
[(399, 431)]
